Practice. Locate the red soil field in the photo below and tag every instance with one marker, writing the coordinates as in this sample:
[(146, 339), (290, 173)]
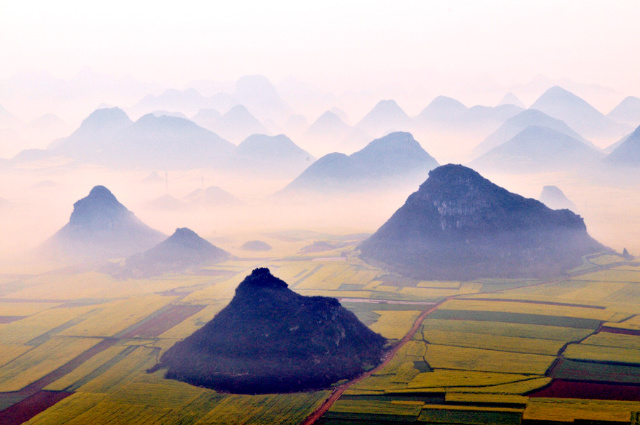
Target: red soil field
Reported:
[(31, 406), (620, 331), (164, 321), (589, 390)]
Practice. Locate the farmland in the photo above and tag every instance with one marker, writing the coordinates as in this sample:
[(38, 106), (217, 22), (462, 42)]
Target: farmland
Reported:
[(531, 350)]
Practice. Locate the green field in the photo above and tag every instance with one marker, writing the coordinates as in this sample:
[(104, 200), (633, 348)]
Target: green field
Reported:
[(473, 360)]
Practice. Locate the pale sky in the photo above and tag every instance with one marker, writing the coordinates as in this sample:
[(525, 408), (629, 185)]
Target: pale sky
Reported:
[(334, 44)]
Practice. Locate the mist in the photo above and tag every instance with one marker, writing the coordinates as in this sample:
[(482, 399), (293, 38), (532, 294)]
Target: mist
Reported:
[(440, 199)]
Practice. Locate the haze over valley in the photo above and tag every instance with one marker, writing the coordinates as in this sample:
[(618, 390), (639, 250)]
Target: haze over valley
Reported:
[(321, 214)]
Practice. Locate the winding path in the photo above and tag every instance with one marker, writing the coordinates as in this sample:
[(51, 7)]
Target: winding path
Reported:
[(337, 393)]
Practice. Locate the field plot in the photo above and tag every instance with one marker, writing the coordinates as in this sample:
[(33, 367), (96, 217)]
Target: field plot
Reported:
[(470, 415), (194, 322), (10, 352), (577, 370), (448, 357), (43, 325), (491, 342), (56, 286), (567, 410), (521, 318), (632, 324), (23, 410), (588, 390), (542, 309), (518, 330), (477, 359), (95, 365), (24, 308), (394, 324), (610, 339), (602, 353), (366, 410), (442, 378), (162, 321), (41, 360), (116, 316)]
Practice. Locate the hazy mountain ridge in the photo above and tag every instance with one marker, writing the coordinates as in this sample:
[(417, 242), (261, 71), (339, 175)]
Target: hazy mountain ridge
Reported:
[(578, 114), (391, 161), (109, 137), (539, 149), (270, 157), (517, 123)]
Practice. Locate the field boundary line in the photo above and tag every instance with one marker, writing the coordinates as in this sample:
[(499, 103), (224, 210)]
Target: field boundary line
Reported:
[(338, 391)]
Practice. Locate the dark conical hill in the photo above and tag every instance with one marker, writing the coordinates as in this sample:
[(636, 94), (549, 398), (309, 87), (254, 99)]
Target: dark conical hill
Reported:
[(270, 339), (181, 251), (101, 227), (459, 225)]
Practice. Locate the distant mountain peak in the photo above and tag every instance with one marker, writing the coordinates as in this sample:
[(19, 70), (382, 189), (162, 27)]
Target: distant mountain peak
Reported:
[(102, 192), (558, 91), (103, 116), (184, 234), (628, 111), (627, 152), (511, 99), (101, 227), (99, 208), (238, 110), (554, 198), (384, 117), (388, 106), (446, 102)]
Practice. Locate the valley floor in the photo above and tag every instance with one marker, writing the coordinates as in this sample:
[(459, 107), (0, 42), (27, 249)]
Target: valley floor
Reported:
[(75, 345)]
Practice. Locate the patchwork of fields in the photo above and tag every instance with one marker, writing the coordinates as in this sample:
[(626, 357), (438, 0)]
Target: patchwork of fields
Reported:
[(75, 349)]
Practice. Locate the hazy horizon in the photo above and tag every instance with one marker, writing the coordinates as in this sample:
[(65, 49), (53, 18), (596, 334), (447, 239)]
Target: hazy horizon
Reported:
[(411, 52)]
